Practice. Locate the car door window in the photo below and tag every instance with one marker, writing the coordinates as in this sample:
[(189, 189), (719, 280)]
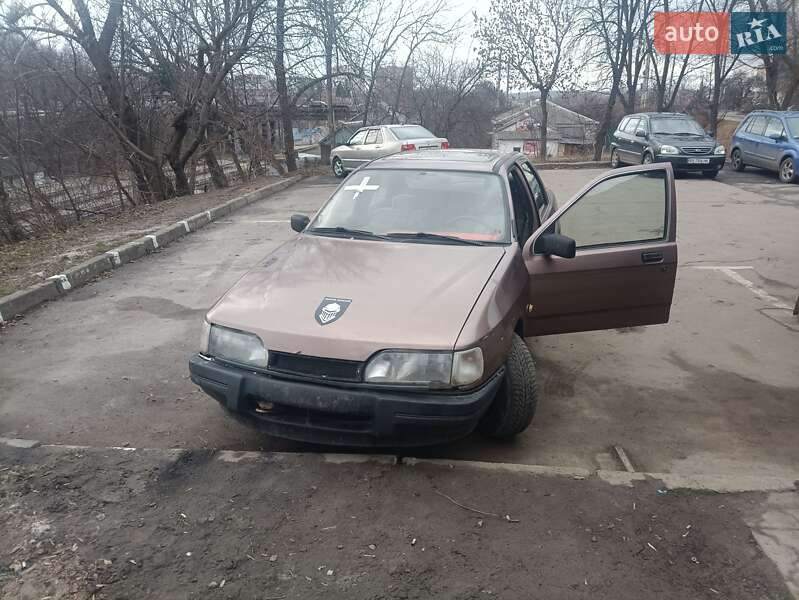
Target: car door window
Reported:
[(379, 138), (627, 209), (371, 136), (758, 126), (358, 138), (631, 126), (623, 124), (536, 189), (774, 127), (522, 209)]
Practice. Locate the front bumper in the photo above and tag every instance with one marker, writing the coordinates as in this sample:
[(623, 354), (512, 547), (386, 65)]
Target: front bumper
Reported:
[(347, 416), (681, 162)]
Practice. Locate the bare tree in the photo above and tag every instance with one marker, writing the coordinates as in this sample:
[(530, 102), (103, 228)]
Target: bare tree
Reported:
[(781, 70), (75, 25), (193, 46), (616, 30), (535, 39)]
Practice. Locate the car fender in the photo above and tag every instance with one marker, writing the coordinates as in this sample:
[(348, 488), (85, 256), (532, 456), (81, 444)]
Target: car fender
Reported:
[(789, 152)]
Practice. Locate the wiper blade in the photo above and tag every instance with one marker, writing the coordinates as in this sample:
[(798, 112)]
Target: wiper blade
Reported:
[(423, 235), (361, 233)]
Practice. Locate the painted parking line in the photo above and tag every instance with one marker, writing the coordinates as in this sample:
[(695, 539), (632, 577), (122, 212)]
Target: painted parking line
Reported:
[(732, 273)]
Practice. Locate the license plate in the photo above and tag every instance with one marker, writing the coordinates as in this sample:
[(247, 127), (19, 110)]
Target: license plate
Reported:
[(698, 161)]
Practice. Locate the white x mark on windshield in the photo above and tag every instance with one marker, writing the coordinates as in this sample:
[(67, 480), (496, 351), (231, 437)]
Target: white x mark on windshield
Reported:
[(361, 187)]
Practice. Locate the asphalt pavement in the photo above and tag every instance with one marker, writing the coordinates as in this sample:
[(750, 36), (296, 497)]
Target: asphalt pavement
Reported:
[(715, 390)]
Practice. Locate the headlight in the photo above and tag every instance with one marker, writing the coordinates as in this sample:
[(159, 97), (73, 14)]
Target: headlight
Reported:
[(237, 346), (666, 149), (425, 368), (719, 150)]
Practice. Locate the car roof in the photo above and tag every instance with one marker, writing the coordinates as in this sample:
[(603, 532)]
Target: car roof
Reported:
[(459, 159), (668, 115), (775, 113)]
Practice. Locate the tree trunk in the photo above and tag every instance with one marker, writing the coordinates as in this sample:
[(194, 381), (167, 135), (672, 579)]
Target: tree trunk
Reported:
[(215, 170), (368, 100), (542, 151), (607, 117), (330, 33), (282, 88), (9, 227)]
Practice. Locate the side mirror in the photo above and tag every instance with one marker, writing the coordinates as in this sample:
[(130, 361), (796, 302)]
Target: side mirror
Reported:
[(299, 222), (557, 244), (640, 133)]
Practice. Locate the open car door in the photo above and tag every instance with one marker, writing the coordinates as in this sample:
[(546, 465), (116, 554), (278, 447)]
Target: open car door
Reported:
[(608, 257)]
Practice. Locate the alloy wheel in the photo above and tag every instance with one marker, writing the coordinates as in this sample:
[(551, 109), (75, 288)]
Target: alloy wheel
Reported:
[(787, 170)]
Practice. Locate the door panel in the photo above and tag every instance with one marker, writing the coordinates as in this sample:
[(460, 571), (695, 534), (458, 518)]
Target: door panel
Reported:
[(771, 149), (622, 275), (350, 156)]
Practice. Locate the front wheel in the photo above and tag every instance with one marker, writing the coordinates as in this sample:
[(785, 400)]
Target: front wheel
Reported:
[(737, 161), (787, 170), (647, 159), (338, 168), (615, 163), (514, 405)]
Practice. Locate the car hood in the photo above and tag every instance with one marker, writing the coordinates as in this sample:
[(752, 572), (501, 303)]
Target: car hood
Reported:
[(403, 295), (684, 140)]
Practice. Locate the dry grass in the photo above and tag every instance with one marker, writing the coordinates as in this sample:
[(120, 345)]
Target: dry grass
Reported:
[(32, 261)]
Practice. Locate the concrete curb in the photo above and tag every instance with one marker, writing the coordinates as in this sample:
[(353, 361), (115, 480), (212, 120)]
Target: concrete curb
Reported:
[(706, 482), (589, 164), (22, 301)]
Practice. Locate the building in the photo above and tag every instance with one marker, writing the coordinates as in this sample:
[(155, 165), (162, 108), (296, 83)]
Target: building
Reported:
[(519, 129)]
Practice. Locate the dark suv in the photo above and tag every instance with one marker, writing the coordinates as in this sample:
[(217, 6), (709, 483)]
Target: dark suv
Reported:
[(666, 137)]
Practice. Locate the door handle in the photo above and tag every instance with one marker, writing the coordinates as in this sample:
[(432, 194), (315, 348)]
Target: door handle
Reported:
[(651, 257)]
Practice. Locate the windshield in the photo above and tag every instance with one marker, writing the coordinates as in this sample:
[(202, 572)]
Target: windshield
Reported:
[(793, 126), (462, 205), (676, 127), (410, 132)]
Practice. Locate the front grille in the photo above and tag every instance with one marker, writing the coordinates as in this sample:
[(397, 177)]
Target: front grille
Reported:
[(695, 150), (314, 366)]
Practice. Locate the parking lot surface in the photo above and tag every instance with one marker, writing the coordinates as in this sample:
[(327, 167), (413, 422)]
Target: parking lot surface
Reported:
[(715, 390)]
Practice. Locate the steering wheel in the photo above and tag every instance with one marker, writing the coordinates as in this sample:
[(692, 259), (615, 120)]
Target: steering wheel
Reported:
[(467, 220)]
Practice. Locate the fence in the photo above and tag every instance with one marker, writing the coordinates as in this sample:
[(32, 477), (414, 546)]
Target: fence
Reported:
[(37, 204)]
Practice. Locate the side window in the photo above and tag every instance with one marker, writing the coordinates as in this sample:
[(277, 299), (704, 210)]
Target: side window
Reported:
[(358, 138), (626, 209), (643, 123), (371, 137), (623, 124), (539, 196), (522, 210), (758, 126), (774, 127), (631, 126), (379, 139)]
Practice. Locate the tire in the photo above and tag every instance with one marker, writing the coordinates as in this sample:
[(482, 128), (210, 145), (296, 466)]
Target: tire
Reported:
[(647, 159), (737, 161), (615, 162), (710, 174), (338, 168), (514, 406), (788, 172)]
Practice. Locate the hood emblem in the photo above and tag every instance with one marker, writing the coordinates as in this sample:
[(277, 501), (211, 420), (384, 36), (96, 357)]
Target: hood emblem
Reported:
[(330, 309)]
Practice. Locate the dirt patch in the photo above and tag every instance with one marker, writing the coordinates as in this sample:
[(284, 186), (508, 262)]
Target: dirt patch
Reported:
[(115, 524), (31, 261)]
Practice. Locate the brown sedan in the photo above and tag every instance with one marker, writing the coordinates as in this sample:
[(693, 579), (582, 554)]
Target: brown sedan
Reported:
[(397, 314)]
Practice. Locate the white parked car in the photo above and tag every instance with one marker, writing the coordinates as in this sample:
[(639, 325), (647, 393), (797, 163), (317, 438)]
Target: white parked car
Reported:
[(369, 143)]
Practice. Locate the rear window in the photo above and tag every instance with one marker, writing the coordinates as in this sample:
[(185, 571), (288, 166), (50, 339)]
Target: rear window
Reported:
[(467, 205), (410, 132)]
